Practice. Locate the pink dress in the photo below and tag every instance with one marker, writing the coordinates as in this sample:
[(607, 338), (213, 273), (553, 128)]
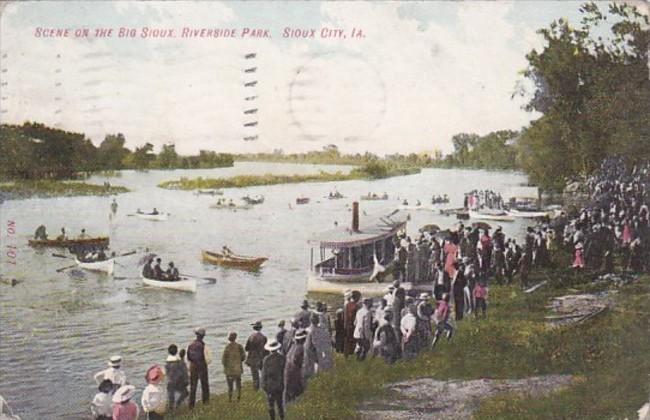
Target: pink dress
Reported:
[(579, 261), (451, 253), (627, 234), (125, 411)]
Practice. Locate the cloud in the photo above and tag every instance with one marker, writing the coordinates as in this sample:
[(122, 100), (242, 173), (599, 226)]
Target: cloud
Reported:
[(405, 87)]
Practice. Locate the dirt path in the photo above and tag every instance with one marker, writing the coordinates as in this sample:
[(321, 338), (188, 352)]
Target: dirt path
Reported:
[(428, 398)]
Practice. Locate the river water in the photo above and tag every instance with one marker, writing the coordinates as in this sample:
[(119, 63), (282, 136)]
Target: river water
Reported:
[(58, 329)]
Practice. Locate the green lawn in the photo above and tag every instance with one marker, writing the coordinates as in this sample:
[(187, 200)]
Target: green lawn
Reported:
[(608, 356)]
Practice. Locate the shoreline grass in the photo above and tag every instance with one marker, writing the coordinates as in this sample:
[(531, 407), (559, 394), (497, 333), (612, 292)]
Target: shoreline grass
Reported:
[(240, 181), (23, 189), (607, 357)]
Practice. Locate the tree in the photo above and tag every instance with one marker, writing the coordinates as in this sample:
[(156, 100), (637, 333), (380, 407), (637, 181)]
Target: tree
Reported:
[(111, 152), (168, 158)]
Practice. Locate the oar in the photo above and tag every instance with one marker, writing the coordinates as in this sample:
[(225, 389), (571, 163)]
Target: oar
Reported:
[(61, 256), (125, 278), (211, 279), (126, 254), (65, 268)]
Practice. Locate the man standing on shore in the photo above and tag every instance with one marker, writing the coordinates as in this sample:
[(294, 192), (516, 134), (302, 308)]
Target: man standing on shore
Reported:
[(198, 368), (255, 348), (232, 358), (273, 378)]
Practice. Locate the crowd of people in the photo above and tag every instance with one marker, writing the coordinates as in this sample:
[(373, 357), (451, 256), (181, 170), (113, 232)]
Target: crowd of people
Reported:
[(451, 269), (477, 199)]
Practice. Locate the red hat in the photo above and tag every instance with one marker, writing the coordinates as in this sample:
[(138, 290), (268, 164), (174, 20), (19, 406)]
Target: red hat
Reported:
[(154, 375)]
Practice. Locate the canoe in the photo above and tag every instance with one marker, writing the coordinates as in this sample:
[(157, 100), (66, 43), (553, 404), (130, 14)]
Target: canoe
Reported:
[(303, 200), (68, 243), (183, 285), (154, 217), (527, 214), (234, 261), (105, 266), (502, 217)]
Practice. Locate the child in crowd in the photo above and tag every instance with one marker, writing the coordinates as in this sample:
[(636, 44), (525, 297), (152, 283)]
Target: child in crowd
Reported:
[(480, 298), (102, 405)]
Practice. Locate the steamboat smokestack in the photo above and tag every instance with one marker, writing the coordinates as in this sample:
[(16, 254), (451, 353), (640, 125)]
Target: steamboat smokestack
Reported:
[(355, 216)]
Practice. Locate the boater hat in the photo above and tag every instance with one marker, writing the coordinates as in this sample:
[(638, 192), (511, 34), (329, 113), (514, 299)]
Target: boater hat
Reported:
[(300, 334), (273, 345), (200, 332), (115, 361), (424, 296), (123, 394)]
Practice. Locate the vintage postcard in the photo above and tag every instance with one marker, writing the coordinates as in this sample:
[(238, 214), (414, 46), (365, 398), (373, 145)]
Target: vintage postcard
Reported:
[(324, 210)]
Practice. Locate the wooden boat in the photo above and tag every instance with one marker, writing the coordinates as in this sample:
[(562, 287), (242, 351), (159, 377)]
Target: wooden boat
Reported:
[(449, 212), (501, 216), (530, 214), (231, 207), (374, 197), (106, 266), (183, 285), (253, 201), (302, 200), (233, 261), (67, 243), (209, 192), (154, 217)]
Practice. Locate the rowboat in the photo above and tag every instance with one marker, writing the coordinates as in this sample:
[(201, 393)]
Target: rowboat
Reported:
[(531, 214), (253, 201), (233, 261), (500, 216), (209, 192), (374, 197), (231, 206), (105, 266), (184, 285), (415, 207), (68, 243), (302, 200), (154, 217)]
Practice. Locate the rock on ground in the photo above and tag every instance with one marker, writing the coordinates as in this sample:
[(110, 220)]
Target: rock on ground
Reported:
[(428, 398)]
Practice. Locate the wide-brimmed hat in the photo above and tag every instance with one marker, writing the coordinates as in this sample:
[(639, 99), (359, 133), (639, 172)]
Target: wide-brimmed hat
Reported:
[(300, 334), (347, 293), (115, 361), (123, 394), (154, 375), (200, 332), (424, 296), (257, 325), (272, 345)]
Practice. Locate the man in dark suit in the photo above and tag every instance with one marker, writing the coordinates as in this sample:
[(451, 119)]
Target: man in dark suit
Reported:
[(273, 378)]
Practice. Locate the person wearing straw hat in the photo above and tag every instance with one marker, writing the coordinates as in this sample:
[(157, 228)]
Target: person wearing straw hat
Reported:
[(232, 358), (255, 349), (113, 373), (102, 405), (273, 378), (154, 400), (196, 352), (123, 406), (294, 380)]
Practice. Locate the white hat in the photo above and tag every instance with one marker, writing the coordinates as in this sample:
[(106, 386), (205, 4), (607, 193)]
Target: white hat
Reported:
[(347, 293), (579, 245), (124, 393), (115, 361), (272, 345), (424, 296)]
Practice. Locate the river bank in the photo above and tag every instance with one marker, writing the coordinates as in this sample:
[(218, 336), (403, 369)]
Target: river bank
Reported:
[(603, 356), (45, 188), (240, 181)]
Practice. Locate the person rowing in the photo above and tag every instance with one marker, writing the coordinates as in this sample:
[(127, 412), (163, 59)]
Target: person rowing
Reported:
[(226, 251), (62, 236), (41, 233), (83, 234), (172, 273), (157, 270)]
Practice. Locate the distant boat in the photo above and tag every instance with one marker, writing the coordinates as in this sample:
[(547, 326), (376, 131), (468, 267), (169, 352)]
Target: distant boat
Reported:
[(209, 192), (249, 56), (487, 214), (250, 138), (302, 200), (374, 197), (159, 217)]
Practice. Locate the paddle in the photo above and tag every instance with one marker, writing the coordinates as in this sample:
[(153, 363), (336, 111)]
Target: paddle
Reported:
[(210, 279), (65, 268), (61, 256)]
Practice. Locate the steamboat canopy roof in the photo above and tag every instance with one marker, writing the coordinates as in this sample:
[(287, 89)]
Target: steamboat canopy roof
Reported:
[(371, 229)]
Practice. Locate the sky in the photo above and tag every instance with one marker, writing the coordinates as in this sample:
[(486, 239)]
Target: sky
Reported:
[(419, 73)]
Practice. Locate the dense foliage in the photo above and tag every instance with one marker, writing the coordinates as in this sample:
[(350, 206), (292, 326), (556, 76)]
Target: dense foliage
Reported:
[(493, 151), (35, 151), (593, 92)]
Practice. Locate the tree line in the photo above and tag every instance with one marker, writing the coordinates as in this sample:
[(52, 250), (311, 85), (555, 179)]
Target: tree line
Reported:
[(36, 151)]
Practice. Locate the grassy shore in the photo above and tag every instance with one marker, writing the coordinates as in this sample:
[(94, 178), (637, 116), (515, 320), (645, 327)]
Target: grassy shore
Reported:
[(269, 179), (52, 188), (607, 356)]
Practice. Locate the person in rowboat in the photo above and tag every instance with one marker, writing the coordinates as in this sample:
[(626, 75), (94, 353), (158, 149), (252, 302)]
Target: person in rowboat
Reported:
[(226, 251), (83, 234), (157, 270), (155, 211), (172, 273), (41, 233), (62, 236)]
